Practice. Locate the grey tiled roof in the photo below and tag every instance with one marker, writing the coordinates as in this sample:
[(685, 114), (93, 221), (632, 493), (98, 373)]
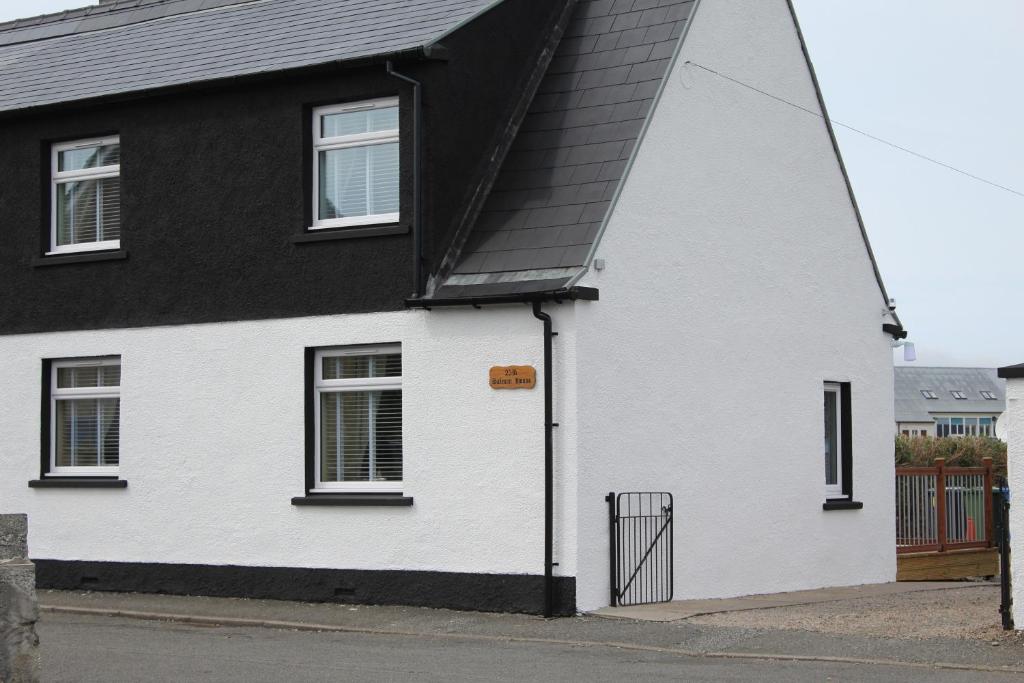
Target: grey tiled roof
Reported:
[(131, 46), (556, 184), (912, 406)]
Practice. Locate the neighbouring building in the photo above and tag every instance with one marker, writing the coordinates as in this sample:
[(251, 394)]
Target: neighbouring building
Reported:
[(945, 402), (376, 301)]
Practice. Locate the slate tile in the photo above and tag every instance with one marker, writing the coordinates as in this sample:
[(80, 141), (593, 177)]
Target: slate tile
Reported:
[(563, 195), (601, 60), (612, 170), (594, 212), (571, 137), (559, 83), (471, 263), (646, 90), (492, 241), (586, 173), (502, 220), (620, 130), (645, 4), (659, 33), (638, 53), (523, 239), (589, 27), (502, 261), (548, 257), (631, 38), (651, 17), (575, 256), (589, 116), (627, 149), (627, 110), (576, 46), (591, 154), (679, 12), (622, 6), (543, 121), (648, 71), (591, 192), (607, 41), (595, 8), (572, 235), (627, 21), (604, 77), (558, 101), (664, 49)]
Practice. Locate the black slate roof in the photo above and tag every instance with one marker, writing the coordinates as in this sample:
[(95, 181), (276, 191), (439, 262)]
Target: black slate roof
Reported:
[(553, 192), (138, 45)]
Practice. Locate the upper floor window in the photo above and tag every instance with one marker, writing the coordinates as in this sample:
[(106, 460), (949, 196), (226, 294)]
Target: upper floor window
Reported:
[(356, 164), (86, 196), (964, 426)]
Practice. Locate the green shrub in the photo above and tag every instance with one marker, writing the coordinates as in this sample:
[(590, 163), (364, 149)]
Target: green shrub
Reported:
[(964, 451)]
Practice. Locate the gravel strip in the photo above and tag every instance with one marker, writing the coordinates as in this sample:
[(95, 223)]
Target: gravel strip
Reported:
[(966, 613)]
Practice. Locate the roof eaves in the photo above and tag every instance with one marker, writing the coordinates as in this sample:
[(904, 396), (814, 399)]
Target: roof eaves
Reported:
[(1012, 372), (557, 295)]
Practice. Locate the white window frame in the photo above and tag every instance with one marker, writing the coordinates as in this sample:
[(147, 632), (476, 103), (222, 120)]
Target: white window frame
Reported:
[(324, 144), (62, 177), (83, 392), (322, 386), (833, 491)]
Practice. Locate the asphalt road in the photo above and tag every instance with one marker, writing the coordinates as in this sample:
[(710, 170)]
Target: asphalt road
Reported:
[(96, 648)]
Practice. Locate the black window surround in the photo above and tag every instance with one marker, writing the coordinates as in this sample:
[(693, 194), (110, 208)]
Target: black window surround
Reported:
[(846, 501), (340, 499), (47, 481)]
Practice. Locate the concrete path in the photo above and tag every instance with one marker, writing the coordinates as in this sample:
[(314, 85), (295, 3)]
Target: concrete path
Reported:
[(685, 609)]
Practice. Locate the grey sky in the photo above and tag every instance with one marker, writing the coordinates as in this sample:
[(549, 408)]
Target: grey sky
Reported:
[(939, 77)]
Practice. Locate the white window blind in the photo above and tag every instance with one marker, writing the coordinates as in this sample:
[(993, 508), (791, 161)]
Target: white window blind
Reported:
[(359, 419), (85, 416), (356, 166), (86, 196)]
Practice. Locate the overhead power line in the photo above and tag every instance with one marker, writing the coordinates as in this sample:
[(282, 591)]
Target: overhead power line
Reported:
[(859, 131)]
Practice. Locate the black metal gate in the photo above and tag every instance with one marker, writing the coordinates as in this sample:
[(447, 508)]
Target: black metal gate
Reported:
[(1002, 524), (640, 528)]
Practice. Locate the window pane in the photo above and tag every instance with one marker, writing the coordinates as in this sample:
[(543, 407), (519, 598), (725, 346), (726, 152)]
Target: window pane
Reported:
[(87, 432), (358, 181), (89, 376), (358, 367), (88, 211), (831, 439), (361, 436), (355, 122), (89, 157)]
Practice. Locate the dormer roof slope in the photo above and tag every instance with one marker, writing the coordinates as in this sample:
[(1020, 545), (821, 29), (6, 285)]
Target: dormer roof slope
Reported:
[(133, 46)]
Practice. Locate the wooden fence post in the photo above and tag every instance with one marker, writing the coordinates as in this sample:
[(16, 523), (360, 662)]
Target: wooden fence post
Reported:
[(940, 502), (989, 510)]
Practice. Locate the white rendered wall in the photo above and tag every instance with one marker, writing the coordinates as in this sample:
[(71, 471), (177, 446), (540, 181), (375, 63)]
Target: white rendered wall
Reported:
[(737, 282), (212, 446), (1014, 417)]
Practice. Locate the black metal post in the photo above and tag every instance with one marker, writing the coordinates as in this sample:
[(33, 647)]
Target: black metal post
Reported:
[(1006, 599), (612, 549), (549, 468)]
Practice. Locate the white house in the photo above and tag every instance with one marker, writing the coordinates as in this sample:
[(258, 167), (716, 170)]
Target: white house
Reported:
[(944, 402), (274, 263)]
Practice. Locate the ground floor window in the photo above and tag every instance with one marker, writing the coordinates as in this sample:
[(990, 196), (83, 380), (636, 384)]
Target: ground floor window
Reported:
[(838, 441), (357, 412), (84, 416), (964, 426)]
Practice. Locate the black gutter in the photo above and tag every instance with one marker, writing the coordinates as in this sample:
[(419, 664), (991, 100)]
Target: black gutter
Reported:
[(417, 179), (556, 295), (549, 466), (896, 331)]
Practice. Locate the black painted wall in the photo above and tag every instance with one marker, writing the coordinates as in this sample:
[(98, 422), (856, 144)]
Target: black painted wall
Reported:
[(215, 189)]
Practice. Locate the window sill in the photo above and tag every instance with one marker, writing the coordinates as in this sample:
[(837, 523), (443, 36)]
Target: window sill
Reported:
[(78, 483), (329, 234), (842, 504), (355, 499), (84, 257)]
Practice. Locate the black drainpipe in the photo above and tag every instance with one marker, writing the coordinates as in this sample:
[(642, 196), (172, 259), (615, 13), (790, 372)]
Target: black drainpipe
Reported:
[(549, 470), (417, 185)]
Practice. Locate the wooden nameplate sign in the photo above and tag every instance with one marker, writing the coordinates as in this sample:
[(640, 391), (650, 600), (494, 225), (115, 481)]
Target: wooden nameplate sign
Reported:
[(513, 377)]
